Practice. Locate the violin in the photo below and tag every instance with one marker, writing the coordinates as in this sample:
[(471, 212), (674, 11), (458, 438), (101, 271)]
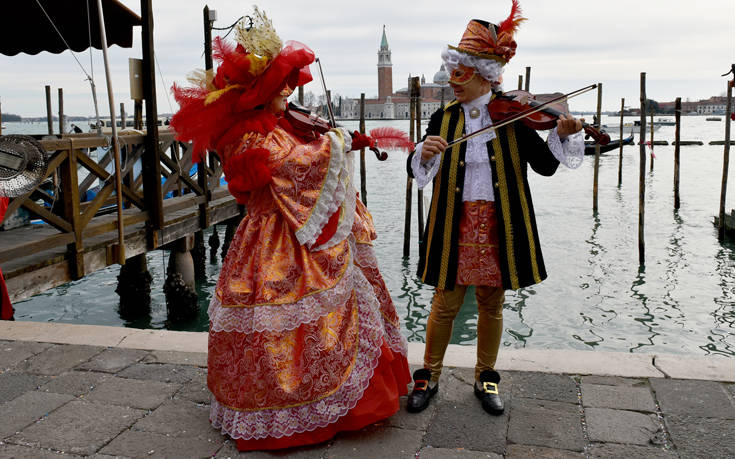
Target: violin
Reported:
[(514, 103), (309, 126)]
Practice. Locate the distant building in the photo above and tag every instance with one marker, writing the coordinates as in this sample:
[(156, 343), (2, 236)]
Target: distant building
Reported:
[(390, 105)]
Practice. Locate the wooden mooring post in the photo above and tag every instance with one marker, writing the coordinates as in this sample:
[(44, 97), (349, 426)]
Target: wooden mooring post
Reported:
[(726, 157), (520, 82), (652, 144), (363, 171), (416, 88), (620, 156), (677, 135), (49, 115), (1, 118), (409, 180), (528, 78), (642, 176), (61, 110), (595, 181)]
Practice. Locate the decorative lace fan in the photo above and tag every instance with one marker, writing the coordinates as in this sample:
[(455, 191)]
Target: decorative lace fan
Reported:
[(22, 164)]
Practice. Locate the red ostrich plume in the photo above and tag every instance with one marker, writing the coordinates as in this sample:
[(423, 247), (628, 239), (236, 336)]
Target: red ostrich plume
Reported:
[(390, 138), (511, 23)]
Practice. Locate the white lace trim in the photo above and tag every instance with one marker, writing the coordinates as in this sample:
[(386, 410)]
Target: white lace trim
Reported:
[(489, 69), (424, 173), (348, 198), (278, 423), (328, 200), (570, 152), (282, 317)]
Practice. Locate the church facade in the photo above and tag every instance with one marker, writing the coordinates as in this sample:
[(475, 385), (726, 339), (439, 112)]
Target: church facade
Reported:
[(395, 105)]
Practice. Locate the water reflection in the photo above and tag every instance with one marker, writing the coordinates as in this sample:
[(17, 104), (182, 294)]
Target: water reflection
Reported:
[(517, 303), (724, 313), (417, 310), (646, 319)]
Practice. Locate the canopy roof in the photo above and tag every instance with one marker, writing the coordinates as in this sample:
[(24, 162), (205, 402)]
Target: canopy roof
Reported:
[(25, 28)]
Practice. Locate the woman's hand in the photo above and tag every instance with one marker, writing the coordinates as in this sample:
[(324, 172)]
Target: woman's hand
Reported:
[(433, 145)]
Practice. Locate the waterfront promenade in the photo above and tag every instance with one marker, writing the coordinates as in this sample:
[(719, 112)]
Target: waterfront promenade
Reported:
[(82, 390)]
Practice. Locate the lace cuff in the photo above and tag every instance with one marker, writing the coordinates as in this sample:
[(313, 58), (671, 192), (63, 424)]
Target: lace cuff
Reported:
[(570, 151), (424, 171)]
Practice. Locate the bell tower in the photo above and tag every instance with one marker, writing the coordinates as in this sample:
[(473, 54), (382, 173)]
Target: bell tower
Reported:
[(385, 69)]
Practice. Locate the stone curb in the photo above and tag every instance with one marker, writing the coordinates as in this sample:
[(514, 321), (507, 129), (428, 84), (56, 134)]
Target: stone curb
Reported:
[(569, 361)]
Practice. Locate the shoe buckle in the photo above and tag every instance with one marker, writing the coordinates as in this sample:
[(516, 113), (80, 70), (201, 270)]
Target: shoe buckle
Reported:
[(420, 384), (490, 387)]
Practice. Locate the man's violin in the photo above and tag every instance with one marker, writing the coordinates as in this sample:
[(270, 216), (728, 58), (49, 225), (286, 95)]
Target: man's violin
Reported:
[(309, 126), (542, 114), (513, 103)]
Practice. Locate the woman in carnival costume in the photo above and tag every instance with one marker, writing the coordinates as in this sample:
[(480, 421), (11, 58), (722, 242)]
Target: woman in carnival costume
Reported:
[(304, 339)]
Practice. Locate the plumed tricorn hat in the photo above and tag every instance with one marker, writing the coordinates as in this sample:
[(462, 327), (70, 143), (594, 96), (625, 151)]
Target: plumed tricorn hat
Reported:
[(489, 41)]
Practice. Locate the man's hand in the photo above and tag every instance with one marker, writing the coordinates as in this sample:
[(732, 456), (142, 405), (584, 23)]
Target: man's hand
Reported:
[(568, 126), (433, 145)]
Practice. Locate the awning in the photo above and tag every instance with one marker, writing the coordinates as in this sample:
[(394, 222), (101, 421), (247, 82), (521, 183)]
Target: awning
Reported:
[(25, 28)]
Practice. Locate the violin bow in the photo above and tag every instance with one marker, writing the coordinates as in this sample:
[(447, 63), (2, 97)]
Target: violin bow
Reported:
[(523, 114), (326, 94)]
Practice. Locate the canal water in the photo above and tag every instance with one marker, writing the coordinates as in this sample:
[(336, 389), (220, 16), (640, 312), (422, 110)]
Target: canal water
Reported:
[(681, 301)]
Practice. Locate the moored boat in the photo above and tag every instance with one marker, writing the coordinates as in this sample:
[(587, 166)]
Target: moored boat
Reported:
[(634, 127), (589, 145)]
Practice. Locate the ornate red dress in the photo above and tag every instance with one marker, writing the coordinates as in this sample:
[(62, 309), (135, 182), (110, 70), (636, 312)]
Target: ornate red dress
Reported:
[(304, 338)]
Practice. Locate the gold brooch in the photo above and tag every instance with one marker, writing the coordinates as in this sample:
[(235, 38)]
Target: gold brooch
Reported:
[(474, 112)]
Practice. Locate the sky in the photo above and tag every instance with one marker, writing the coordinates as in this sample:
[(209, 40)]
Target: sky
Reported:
[(683, 47)]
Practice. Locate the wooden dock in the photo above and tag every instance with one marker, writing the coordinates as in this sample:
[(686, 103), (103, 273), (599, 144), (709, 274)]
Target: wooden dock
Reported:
[(77, 239)]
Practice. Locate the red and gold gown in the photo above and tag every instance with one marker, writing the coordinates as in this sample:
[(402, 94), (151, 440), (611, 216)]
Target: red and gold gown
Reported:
[(304, 338)]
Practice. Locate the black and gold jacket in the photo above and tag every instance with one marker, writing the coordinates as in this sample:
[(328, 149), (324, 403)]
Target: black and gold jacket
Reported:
[(511, 151)]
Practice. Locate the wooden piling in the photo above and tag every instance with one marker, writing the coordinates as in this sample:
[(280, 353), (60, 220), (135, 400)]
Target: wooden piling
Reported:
[(363, 172), (520, 82), (677, 113), (1, 119), (642, 176), (138, 115), (595, 181), (528, 78), (123, 116), (301, 96), (419, 192), (620, 156), (652, 142), (61, 110), (49, 116), (409, 180), (726, 157)]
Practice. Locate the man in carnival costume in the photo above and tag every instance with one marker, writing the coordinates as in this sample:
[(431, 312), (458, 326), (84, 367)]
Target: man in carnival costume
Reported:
[(304, 339), (481, 229)]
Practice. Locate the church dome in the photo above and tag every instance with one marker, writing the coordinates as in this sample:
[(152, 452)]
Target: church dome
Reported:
[(442, 76)]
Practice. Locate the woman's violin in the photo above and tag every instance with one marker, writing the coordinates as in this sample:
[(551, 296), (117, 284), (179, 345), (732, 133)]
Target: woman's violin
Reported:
[(513, 103), (309, 126)]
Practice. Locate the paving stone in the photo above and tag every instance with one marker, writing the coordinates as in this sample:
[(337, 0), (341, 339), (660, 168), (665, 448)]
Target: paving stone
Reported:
[(705, 399), (23, 410), (18, 451), (534, 452), (58, 359), (198, 359), (376, 441), (616, 451), (166, 372), (545, 386), (618, 397), (179, 418), (614, 381), (456, 385), (133, 443), (412, 421), (229, 450), (12, 352), (546, 423), (460, 453), (112, 360), (14, 384), (195, 390), (79, 427), (464, 424), (133, 392), (618, 426), (702, 437), (74, 383)]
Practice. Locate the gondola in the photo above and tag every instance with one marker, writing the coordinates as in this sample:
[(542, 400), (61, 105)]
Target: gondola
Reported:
[(589, 145)]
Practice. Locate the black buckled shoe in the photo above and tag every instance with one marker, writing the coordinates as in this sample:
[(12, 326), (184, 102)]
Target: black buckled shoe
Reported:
[(419, 397), (489, 395)]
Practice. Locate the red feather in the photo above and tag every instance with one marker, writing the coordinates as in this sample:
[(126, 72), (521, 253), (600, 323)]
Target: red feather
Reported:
[(392, 139), (514, 19)]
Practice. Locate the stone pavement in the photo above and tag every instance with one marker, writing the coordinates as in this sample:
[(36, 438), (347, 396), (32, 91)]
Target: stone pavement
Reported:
[(142, 393)]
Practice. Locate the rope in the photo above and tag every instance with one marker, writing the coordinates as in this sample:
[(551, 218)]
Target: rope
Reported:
[(168, 99), (62, 37)]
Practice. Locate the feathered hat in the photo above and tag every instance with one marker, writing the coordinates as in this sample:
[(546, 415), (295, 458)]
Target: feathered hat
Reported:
[(221, 107), (489, 41)]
